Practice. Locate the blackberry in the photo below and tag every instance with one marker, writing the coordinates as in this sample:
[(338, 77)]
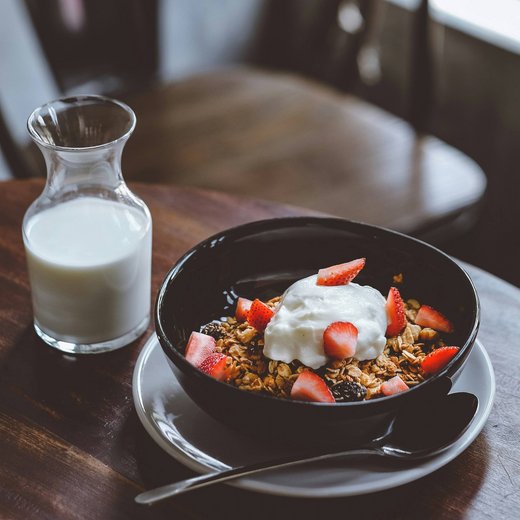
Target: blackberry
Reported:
[(347, 391), (212, 329)]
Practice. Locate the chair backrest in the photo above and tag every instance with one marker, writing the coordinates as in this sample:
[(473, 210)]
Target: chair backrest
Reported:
[(25, 83), (337, 42), (114, 42), (318, 39)]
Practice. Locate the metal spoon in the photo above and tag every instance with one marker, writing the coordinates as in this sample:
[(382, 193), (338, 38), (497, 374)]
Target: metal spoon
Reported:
[(418, 432)]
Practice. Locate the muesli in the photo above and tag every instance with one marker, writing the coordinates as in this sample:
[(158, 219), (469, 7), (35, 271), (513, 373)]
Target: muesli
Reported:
[(411, 345)]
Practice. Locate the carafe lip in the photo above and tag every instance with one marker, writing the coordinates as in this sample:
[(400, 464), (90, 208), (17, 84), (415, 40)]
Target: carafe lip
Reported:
[(78, 99)]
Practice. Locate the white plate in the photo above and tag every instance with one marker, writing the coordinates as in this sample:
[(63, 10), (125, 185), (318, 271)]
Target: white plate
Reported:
[(201, 443)]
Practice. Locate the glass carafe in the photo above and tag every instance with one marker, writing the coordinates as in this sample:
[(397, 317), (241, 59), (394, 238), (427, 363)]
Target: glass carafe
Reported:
[(87, 237)]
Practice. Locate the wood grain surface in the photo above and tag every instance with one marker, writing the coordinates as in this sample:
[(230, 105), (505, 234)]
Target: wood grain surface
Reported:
[(72, 447), (288, 139)]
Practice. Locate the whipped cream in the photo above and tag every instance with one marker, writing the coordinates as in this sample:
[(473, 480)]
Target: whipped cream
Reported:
[(307, 309)]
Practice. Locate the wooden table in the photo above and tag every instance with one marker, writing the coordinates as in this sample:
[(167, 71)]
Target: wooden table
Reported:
[(72, 447), (285, 138)]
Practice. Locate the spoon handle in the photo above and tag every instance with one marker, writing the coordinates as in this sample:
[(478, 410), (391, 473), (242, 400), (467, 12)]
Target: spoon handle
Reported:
[(183, 486)]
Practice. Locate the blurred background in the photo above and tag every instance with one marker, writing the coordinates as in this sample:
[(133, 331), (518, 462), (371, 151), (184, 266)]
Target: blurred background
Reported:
[(401, 113)]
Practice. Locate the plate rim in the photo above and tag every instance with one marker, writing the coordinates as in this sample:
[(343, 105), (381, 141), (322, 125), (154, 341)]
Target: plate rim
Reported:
[(251, 484)]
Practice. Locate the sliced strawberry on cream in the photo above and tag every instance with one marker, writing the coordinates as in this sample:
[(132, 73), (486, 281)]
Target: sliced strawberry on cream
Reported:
[(311, 387), (395, 313), (259, 315), (340, 274), (215, 365), (394, 386), (429, 317), (242, 309), (340, 340), (306, 309), (199, 347), (438, 359)]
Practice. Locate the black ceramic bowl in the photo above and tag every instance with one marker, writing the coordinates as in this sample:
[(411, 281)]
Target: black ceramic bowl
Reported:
[(260, 260)]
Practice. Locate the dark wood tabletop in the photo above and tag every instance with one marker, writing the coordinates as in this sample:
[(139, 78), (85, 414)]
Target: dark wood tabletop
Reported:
[(72, 447), (286, 138)]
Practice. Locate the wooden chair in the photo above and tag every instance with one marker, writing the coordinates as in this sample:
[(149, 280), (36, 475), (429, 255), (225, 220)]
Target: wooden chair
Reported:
[(273, 133)]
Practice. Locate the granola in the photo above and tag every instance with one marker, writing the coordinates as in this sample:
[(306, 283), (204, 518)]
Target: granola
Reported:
[(248, 369)]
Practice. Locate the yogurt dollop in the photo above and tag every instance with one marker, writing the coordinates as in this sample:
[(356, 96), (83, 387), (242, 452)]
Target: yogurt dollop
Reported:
[(307, 309)]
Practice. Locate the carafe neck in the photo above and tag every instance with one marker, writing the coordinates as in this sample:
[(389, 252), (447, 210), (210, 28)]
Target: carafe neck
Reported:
[(82, 139), (78, 170)]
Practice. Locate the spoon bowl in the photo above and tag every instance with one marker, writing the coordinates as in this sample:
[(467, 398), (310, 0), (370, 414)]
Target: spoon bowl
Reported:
[(426, 430), (417, 432)]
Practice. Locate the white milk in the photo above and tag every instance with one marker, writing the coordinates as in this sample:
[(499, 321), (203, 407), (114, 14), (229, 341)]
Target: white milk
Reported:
[(89, 265)]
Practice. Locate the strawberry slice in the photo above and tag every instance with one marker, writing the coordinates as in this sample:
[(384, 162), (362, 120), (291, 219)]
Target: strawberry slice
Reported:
[(438, 359), (243, 306), (393, 386), (199, 347), (340, 274), (311, 387), (215, 366), (395, 313), (340, 340), (429, 317), (259, 315)]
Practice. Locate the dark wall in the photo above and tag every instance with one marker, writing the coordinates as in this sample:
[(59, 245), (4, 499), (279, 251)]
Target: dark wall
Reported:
[(478, 110)]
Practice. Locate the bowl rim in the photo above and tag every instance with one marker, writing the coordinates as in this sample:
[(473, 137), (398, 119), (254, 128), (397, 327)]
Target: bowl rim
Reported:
[(186, 366)]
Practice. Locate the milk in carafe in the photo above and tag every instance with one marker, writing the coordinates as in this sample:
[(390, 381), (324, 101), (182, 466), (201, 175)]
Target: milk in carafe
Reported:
[(89, 264)]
